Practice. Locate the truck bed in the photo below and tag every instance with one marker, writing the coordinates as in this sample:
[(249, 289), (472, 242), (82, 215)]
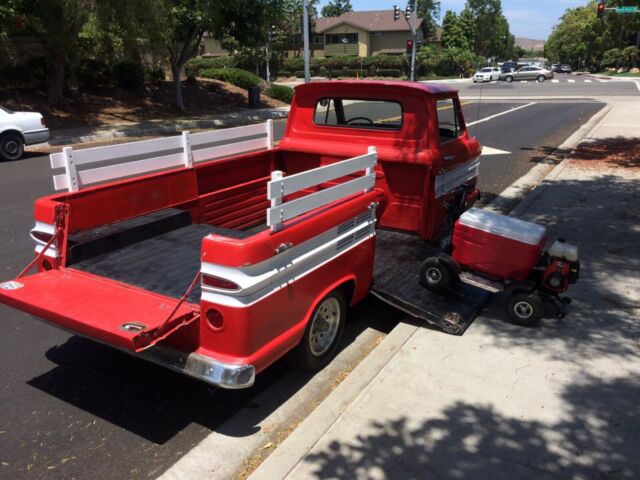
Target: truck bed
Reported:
[(396, 281), (163, 263)]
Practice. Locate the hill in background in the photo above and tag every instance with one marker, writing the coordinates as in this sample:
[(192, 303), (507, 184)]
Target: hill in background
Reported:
[(529, 43)]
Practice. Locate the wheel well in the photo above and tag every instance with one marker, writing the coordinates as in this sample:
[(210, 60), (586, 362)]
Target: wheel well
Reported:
[(348, 289), (15, 132)]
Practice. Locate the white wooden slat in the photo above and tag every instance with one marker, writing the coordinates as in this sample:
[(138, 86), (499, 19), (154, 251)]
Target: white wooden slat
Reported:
[(227, 134), (316, 176), (114, 152), (57, 160), (289, 210), (228, 150), (60, 182), (111, 172)]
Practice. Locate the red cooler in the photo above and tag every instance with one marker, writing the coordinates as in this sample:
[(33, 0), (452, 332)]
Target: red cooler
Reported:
[(496, 245)]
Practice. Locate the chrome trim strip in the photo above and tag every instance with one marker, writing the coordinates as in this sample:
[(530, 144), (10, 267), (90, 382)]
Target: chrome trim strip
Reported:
[(451, 179), (52, 251)]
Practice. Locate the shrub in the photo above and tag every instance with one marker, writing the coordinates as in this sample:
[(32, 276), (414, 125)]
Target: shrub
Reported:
[(155, 75), (129, 74), (391, 61), (293, 64), (31, 72), (91, 73), (236, 76), (194, 67), (389, 72), (280, 92), (299, 73)]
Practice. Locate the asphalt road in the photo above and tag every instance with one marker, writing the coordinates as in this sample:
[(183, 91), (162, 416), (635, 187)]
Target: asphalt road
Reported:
[(74, 409)]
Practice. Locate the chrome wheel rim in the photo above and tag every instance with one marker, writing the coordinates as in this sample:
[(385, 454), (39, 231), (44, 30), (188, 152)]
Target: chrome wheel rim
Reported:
[(434, 275), (324, 326), (523, 310)]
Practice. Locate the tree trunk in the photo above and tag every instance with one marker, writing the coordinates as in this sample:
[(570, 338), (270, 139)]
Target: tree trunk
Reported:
[(55, 87), (176, 69)]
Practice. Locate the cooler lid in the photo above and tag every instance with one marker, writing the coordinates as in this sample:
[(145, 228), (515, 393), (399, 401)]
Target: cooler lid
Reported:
[(503, 226)]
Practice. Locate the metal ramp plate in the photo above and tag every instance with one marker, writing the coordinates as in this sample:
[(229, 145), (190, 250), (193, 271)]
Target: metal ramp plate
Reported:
[(396, 281)]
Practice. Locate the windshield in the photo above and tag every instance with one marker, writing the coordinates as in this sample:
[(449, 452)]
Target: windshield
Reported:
[(6, 110)]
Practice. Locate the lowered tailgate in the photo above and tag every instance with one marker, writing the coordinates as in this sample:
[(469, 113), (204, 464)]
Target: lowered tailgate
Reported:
[(105, 310)]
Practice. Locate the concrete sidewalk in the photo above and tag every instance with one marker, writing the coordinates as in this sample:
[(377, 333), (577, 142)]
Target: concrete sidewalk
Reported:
[(506, 402), (164, 127)]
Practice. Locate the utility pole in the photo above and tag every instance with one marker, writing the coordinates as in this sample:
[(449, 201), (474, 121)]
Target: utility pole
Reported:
[(305, 39), (270, 37), (411, 18)]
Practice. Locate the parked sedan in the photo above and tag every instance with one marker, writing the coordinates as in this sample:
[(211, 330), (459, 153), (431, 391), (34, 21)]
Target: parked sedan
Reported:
[(527, 73), (18, 129), (565, 68), (486, 74)]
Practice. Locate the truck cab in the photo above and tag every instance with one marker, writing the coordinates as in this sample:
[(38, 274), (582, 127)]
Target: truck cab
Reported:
[(216, 253)]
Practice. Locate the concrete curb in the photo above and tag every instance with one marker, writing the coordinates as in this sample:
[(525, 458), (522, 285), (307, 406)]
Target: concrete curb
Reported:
[(291, 452), (518, 191), (305, 436), (164, 128)]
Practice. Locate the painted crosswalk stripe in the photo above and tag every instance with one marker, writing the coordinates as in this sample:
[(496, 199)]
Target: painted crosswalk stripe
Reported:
[(555, 81), (571, 81), (587, 81), (524, 81)]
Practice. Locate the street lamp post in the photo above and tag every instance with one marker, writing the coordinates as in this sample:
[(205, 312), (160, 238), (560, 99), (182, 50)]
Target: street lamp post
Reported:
[(305, 39)]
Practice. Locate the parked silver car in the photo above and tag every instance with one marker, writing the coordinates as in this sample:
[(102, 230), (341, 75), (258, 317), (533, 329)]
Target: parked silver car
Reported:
[(486, 74), (527, 73)]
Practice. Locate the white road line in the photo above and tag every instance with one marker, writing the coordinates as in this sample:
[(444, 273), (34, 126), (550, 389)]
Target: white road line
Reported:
[(491, 117), (555, 81), (637, 84), (524, 81), (587, 81), (571, 81), (493, 151)]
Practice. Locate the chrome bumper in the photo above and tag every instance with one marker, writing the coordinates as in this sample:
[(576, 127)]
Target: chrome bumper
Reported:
[(32, 137), (207, 369)]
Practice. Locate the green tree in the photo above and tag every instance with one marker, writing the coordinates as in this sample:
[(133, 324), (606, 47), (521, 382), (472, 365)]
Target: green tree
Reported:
[(429, 11), (492, 37), (335, 8), (56, 24), (453, 35)]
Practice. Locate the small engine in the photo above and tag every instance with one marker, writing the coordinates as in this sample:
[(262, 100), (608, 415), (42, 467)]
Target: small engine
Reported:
[(561, 267)]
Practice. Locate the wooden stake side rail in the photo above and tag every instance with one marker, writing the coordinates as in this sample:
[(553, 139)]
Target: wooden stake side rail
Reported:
[(157, 154), (280, 186)]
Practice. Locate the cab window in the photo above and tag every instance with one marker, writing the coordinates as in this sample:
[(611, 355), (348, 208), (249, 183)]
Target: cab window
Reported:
[(449, 120), (357, 113)]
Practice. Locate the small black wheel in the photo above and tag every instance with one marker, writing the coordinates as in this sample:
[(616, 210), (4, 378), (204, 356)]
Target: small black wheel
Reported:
[(11, 146), (322, 336), (525, 309), (508, 79), (541, 78), (436, 275)]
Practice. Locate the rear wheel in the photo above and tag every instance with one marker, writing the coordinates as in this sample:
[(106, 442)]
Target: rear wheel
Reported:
[(11, 146), (436, 275), (525, 309), (323, 333), (541, 78), (508, 79)]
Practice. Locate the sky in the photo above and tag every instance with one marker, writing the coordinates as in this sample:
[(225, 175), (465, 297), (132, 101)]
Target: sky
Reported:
[(527, 18)]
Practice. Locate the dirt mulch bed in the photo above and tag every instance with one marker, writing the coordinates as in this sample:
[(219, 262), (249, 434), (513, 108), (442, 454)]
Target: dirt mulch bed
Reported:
[(115, 106), (608, 153)]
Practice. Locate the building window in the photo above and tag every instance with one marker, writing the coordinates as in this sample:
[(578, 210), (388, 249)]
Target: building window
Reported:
[(357, 113), (318, 39), (376, 34), (343, 38)]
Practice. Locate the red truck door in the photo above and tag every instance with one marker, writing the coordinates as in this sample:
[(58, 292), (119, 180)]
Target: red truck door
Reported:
[(112, 312)]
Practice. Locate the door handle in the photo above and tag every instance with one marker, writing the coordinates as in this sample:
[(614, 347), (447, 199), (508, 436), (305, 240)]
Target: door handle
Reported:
[(448, 158)]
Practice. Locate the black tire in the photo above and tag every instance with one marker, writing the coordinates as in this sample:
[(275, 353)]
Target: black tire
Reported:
[(525, 309), (508, 79), (541, 78), (313, 354), (11, 146), (436, 275)]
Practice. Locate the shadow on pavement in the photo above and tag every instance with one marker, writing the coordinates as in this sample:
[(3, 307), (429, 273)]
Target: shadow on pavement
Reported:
[(156, 404), (597, 437)]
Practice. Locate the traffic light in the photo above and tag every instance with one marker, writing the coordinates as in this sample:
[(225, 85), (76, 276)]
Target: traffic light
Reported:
[(601, 7), (409, 47), (407, 11), (396, 13)]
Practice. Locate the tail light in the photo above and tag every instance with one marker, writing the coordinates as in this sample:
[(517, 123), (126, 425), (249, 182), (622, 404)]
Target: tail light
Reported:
[(42, 122), (221, 283), (39, 236)]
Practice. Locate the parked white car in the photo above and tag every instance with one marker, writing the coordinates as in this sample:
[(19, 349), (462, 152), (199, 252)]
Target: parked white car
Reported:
[(18, 129), (486, 74)]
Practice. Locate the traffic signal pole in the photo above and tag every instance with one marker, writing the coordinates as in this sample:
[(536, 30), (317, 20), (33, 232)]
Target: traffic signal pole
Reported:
[(305, 39), (413, 47)]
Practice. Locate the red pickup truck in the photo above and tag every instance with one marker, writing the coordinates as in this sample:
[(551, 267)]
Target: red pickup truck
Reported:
[(216, 253)]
